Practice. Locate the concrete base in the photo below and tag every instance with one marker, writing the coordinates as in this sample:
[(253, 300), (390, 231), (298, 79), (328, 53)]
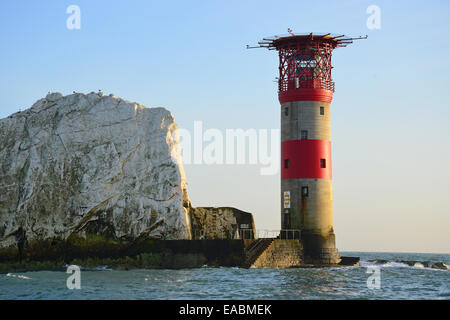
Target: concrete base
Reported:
[(291, 254), (280, 254), (320, 249)]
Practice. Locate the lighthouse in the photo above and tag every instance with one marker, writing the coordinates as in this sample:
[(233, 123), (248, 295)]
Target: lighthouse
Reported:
[(305, 92)]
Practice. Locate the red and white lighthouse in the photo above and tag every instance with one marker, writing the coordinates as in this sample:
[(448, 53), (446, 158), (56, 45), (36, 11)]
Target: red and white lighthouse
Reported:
[(305, 91)]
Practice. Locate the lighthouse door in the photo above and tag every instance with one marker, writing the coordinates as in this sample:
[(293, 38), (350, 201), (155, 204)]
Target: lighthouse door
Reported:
[(287, 220)]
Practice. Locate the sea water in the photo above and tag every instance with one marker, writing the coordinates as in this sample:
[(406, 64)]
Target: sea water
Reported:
[(396, 281)]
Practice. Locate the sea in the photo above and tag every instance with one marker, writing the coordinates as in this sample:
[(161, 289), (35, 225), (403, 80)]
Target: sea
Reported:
[(388, 279)]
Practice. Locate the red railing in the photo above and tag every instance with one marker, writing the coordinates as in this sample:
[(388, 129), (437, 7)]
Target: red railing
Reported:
[(285, 85)]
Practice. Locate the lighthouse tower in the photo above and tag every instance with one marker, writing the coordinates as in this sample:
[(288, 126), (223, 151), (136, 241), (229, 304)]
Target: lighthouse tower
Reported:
[(305, 91)]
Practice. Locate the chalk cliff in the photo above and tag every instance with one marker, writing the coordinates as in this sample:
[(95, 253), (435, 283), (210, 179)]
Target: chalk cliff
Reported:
[(91, 164)]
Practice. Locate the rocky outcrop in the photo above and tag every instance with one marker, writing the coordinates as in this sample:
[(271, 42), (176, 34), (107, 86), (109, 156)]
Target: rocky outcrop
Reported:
[(221, 223), (91, 164)]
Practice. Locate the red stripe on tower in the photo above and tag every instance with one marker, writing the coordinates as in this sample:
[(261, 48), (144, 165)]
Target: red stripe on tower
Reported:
[(306, 94), (306, 159)]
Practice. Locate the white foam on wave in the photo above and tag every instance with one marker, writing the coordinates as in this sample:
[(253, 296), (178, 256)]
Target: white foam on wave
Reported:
[(395, 264), (18, 276), (366, 264), (102, 268), (389, 264), (97, 268)]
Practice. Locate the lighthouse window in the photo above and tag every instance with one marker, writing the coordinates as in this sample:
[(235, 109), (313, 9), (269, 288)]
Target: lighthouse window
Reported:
[(286, 163), (323, 163), (322, 111), (304, 134), (286, 111), (305, 191)]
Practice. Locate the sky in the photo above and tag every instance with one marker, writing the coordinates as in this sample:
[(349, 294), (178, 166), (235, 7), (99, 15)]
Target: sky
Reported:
[(390, 114)]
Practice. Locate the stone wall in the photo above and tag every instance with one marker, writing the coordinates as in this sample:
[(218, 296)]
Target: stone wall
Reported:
[(280, 254), (146, 253)]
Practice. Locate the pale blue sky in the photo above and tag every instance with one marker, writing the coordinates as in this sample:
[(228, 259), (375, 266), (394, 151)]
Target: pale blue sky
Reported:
[(390, 113)]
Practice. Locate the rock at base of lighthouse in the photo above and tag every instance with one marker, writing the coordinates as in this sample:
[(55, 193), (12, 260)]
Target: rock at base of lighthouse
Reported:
[(221, 223), (91, 164)]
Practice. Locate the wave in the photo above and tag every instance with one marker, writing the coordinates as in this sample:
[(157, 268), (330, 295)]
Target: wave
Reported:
[(405, 264)]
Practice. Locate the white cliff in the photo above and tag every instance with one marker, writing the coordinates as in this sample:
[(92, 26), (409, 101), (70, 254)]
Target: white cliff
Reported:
[(91, 164)]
